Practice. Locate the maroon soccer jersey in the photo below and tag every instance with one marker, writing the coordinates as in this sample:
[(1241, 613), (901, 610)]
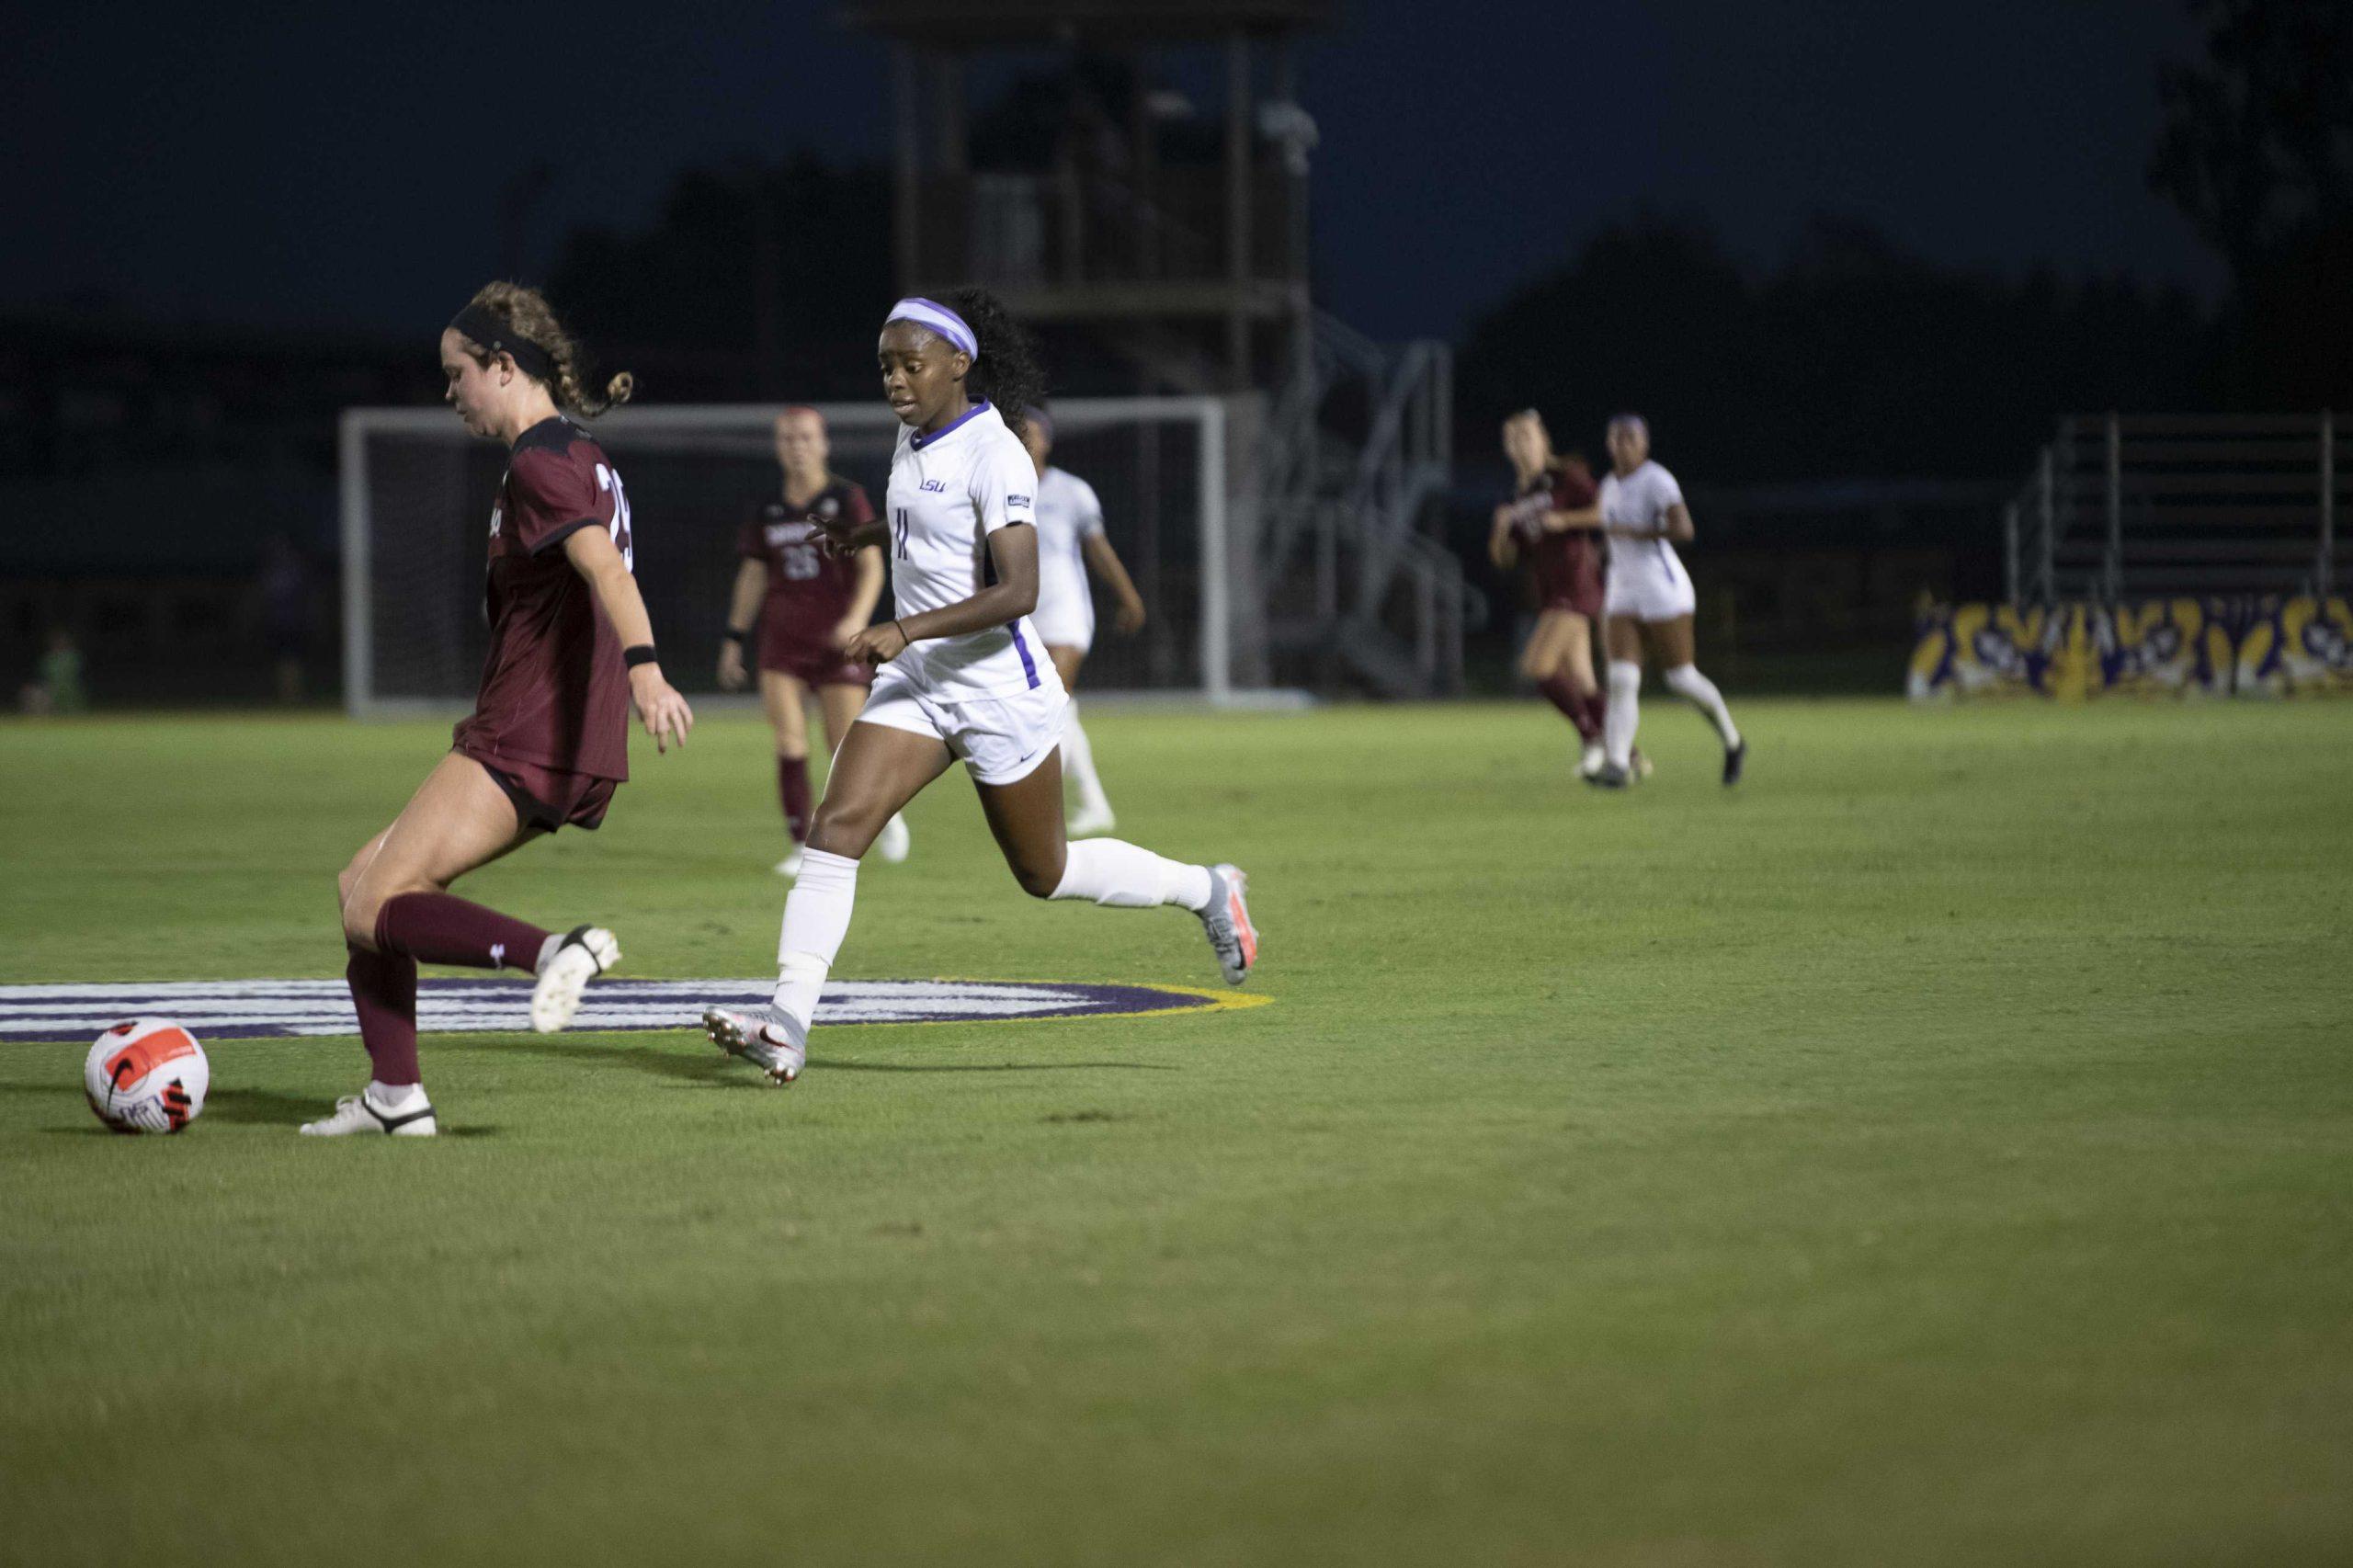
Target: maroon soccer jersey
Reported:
[(554, 690), (809, 590), (1567, 566)]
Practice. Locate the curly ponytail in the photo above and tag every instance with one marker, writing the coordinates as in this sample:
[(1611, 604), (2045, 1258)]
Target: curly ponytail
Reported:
[(1007, 372), (528, 316)]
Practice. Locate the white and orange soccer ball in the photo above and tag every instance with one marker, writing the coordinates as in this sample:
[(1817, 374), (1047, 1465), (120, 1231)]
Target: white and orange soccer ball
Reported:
[(146, 1076)]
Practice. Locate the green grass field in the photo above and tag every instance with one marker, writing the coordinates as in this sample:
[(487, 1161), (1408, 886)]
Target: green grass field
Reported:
[(1939, 1151)]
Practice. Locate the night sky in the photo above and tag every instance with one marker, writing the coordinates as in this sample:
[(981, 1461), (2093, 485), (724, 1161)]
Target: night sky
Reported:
[(339, 167)]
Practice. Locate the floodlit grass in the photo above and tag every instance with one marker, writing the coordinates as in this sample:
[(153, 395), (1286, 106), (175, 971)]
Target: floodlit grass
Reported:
[(1939, 1149)]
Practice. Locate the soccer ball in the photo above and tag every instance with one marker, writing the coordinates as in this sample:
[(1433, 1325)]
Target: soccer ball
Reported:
[(146, 1076)]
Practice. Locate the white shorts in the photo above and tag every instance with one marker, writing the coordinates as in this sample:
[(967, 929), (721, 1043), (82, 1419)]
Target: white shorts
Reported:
[(1647, 582), (1000, 740), (1064, 630), (1065, 614)]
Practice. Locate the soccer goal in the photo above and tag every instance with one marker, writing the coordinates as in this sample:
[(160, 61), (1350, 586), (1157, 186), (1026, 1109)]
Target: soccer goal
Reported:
[(416, 493)]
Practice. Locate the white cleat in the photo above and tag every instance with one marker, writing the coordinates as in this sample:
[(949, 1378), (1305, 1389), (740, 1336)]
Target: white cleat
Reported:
[(360, 1113), (1596, 756), (586, 952), (769, 1037), (1090, 822), (791, 865), (892, 843), (1227, 921)]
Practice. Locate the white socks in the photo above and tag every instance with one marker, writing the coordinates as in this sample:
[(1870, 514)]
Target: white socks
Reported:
[(1618, 724), (1078, 765), (395, 1099), (1125, 876), (816, 918), (1687, 682)]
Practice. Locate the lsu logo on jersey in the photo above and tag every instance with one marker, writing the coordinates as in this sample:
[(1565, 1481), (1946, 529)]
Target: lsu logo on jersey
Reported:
[(937, 485), (1012, 500)]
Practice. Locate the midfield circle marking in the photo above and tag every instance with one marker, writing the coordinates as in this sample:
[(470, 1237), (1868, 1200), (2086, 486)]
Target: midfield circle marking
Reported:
[(248, 1009)]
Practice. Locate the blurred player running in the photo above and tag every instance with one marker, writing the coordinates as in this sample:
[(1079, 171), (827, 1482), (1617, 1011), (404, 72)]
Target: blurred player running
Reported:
[(1552, 526), (1070, 540), (1649, 601), (960, 677), (809, 602), (548, 742)]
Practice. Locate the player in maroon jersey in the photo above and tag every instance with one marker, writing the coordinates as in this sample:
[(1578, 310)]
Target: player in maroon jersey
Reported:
[(809, 602), (1552, 524), (548, 742)]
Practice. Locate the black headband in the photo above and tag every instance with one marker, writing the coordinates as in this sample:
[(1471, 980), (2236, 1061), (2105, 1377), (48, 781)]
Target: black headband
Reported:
[(476, 323)]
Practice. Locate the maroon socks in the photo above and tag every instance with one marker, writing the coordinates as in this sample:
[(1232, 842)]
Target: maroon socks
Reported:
[(792, 789), (383, 993), (435, 927), (1583, 709)]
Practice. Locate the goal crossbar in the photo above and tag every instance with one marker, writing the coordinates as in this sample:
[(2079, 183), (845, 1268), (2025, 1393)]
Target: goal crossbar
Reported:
[(691, 423)]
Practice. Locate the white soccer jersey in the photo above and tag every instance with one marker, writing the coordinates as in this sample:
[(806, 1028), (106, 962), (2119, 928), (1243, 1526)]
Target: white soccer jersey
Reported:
[(948, 492), (1646, 577), (1068, 515)]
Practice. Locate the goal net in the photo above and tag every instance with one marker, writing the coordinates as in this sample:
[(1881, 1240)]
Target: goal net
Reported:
[(416, 494)]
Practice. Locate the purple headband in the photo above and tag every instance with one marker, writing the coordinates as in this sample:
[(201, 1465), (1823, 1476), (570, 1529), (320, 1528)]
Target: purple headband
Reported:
[(935, 317)]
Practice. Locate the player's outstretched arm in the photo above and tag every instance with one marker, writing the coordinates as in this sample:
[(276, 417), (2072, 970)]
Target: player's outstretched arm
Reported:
[(1501, 548), (1104, 563), (846, 536), (664, 713), (743, 607), (1583, 519), (865, 592), (1014, 551)]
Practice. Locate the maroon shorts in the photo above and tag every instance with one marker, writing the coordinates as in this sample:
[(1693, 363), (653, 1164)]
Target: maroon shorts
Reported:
[(1576, 587), (548, 798), (813, 666)]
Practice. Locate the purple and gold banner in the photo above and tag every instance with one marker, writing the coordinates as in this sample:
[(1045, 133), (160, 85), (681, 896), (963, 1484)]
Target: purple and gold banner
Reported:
[(2241, 646)]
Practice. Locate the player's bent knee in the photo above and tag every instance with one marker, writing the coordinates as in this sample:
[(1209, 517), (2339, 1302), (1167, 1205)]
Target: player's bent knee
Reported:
[(848, 831), (1037, 879), (359, 911)]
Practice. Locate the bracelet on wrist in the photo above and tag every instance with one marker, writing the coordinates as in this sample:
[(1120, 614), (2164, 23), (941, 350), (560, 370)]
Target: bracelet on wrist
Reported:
[(739, 635), (642, 653), (902, 632)]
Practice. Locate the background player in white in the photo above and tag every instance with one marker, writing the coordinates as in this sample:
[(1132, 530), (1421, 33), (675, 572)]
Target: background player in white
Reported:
[(961, 677), (1649, 603), (1070, 540)]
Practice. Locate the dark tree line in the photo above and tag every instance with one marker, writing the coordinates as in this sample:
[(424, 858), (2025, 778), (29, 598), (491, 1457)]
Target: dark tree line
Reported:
[(1851, 357), (1855, 357), (747, 283), (2258, 152)]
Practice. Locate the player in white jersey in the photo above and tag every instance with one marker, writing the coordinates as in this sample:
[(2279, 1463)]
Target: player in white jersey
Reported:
[(1649, 603), (961, 676), (1070, 540)]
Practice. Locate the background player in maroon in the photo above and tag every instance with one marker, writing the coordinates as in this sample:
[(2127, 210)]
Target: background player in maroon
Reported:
[(548, 742), (1551, 526), (809, 602)]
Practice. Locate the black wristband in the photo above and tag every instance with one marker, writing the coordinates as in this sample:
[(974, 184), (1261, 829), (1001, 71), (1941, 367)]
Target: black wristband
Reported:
[(642, 653), (739, 634)]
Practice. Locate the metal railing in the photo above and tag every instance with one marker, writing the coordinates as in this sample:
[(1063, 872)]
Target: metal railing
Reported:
[(1386, 602), (2152, 505)]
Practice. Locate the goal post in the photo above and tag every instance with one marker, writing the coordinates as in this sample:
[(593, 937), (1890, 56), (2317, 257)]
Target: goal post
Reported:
[(416, 491)]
